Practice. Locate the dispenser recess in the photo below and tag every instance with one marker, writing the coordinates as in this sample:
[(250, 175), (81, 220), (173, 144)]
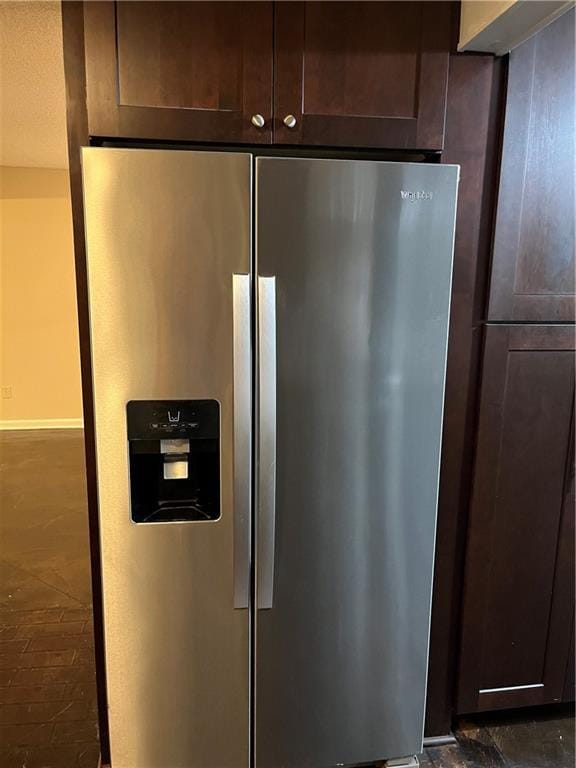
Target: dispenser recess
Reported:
[(174, 448)]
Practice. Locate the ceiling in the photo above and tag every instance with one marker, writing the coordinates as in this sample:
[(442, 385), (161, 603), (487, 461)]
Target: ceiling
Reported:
[(32, 92)]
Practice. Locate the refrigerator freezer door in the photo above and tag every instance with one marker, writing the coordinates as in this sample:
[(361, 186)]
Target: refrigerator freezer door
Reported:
[(165, 233), (362, 257)]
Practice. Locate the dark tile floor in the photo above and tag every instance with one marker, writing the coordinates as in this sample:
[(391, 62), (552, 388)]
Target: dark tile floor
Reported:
[(47, 689), (47, 694), (535, 738)]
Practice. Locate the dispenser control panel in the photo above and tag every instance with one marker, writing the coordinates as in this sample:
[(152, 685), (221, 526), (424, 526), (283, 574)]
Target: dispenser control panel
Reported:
[(157, 419)]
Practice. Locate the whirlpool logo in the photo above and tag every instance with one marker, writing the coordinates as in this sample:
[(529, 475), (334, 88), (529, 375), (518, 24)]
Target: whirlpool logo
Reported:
[(414, 196)]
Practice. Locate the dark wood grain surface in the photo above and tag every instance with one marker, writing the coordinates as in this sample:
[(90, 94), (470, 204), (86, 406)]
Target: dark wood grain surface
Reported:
[(564, 595), (361, 74), (179, 55), (518, 597), (361, 58), (179, 70), (533, 263), (354, 74), (473, 123), (77, 133), (570, 677)]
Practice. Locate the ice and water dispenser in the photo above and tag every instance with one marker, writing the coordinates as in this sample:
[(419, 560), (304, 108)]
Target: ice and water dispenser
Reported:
[(174, 460)]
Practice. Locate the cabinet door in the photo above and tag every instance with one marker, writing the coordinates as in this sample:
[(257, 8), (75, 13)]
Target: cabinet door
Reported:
[(519, 590), (179, 70), (533, 260), (361, 74)]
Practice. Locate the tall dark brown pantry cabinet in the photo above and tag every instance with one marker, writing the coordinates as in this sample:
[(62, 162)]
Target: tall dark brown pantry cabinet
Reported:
[(517, 629)]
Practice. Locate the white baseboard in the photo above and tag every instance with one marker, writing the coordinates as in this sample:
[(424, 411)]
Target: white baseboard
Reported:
[(10, 424)]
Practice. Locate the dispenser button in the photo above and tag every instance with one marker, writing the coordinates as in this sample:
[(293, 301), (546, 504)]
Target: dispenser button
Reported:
[(175, 469)]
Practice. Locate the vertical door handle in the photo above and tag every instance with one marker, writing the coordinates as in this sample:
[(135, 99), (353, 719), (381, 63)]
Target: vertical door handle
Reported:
[(242, 437), (266, 440)]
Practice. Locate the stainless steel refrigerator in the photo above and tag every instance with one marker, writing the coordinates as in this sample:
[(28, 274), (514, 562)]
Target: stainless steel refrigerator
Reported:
[(268, 340)]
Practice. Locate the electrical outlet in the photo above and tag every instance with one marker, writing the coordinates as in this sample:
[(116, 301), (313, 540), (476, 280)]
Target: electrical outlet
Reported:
[(6, 392)]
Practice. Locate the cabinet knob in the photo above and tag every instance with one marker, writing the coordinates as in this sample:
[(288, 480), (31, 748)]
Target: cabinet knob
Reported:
[(257, 121), (289, 121)]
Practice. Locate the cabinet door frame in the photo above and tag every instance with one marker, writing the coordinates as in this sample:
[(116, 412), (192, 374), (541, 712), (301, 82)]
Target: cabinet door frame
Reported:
[(423, 132), (499, 342), (107, 117), (529, 127)]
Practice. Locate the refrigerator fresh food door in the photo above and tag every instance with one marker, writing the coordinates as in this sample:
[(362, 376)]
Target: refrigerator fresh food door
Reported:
[(354, 264), (168, 249)]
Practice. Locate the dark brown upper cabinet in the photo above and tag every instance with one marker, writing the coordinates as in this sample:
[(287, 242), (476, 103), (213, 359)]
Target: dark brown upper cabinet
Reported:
[(533, 260), (358, 74), (517, 623), (361, 74), (182, 71)]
